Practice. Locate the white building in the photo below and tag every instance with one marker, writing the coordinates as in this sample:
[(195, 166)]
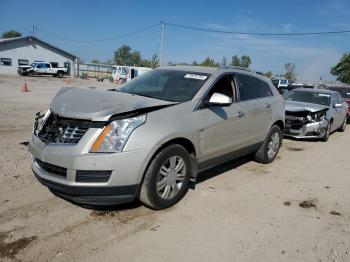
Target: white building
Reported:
[(25, 50)]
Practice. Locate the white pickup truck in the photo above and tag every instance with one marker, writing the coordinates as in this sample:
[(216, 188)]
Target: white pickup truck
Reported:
[(41, 68)]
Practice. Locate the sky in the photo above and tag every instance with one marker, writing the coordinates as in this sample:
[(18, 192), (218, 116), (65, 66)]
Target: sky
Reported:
[(62, 21)]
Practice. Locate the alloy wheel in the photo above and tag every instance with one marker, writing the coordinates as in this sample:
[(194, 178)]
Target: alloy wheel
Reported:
[(170, 177), (273, 146)]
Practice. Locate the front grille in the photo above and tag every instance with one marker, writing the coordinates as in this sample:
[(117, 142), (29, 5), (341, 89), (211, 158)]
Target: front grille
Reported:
[(52, 169), (296, 125), (92, 176), (72, 134), (63, 130)]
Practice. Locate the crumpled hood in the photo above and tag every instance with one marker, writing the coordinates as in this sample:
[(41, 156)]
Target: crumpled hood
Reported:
[(293, 106), (96, 105)]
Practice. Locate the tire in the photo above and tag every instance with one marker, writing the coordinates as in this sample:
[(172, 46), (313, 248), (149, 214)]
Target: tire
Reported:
[(327, 134), (270, 147), (158, 186), (343, 126), (60, 74), (30, 74)]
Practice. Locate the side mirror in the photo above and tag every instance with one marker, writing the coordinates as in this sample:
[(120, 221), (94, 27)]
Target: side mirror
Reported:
[(218, 99), (338, 105)]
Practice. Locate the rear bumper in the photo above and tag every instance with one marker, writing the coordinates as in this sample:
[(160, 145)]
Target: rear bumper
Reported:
[(91, 195)]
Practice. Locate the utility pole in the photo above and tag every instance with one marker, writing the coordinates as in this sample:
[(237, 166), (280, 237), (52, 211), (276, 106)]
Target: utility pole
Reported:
[(33, 32), (162, 25)]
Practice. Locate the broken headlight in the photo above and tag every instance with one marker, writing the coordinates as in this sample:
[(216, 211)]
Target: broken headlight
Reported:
[(116, 134), (40, 120), (318, 116)]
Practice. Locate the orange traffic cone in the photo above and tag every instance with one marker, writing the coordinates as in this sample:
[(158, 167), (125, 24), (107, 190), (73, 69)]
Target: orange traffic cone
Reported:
[(25, 87)]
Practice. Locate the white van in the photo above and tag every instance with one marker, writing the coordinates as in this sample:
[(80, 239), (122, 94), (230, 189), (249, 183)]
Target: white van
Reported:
[(122, 74)]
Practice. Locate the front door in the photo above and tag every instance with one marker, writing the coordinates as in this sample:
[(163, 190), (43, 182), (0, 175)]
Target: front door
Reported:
[(223, 128)]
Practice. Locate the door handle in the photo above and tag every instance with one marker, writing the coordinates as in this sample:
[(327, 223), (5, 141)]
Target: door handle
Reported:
[(267, 105), (240, 114)]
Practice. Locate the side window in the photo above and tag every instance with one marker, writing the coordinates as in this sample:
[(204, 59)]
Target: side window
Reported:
[(252, 88), (340, 99), (39, 66), (225, 85), (46, 65)]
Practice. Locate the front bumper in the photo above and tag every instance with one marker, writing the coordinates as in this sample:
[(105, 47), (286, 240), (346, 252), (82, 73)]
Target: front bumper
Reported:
[(122, 185), (314, 130), (91, 195)]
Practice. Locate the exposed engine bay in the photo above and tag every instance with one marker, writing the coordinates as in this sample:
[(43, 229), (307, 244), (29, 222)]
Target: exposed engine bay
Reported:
[(306, 123)]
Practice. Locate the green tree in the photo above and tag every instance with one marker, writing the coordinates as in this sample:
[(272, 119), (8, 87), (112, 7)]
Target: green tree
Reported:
[(152, 63), (268, 74), (95, 61), (135, 58), (122, 55), (195, 63), (209, 62), (243, 61), (342, 69), (290, 74), (224, 61), (11, 34)]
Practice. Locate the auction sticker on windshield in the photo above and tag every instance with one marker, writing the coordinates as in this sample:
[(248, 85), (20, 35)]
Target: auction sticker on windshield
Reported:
[(326, 95), (198, 77)]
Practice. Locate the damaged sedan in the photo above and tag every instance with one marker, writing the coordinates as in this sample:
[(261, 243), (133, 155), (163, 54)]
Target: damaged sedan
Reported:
[(314, 113)]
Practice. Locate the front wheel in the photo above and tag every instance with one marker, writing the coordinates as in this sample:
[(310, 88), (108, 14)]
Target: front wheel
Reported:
[(270, 147), (167, 177), (327, 133), (343, 126)]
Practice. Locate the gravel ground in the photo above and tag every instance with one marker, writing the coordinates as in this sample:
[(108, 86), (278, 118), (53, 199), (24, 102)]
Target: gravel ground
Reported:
[(295, 209)]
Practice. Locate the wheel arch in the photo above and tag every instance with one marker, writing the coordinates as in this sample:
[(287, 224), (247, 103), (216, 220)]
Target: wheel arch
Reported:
[(280, 124), (187, 144)]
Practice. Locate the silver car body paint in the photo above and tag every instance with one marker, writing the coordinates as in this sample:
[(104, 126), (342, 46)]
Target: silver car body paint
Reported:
[(213, 132)]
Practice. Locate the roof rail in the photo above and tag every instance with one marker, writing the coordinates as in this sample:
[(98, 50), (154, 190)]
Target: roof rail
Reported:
[(241, 68), (236, 67)]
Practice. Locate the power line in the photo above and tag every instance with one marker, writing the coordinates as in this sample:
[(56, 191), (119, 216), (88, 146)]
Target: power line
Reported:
[(102, 40), (255, 33)]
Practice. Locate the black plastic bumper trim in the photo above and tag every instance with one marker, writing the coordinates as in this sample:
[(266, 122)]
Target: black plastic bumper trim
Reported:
[(92, 195)]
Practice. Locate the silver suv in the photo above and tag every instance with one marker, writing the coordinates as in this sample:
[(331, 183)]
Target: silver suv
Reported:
[(150, 138)]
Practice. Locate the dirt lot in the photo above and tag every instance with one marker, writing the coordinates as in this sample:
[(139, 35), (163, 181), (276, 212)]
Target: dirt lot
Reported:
[(240, 211)]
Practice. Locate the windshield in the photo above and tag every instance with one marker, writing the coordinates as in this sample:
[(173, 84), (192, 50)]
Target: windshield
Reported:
[(309, 97), (345, 92), (169, 85)]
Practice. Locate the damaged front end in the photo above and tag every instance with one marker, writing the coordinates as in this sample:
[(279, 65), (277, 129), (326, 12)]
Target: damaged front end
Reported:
[(306, 123)]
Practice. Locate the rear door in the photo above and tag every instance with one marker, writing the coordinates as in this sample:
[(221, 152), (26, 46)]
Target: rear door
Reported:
[(48, 69), (257, 98)]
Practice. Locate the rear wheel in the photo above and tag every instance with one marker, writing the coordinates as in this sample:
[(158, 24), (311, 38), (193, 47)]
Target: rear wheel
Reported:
[(60, 74), (270, 147), (167, 177)]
